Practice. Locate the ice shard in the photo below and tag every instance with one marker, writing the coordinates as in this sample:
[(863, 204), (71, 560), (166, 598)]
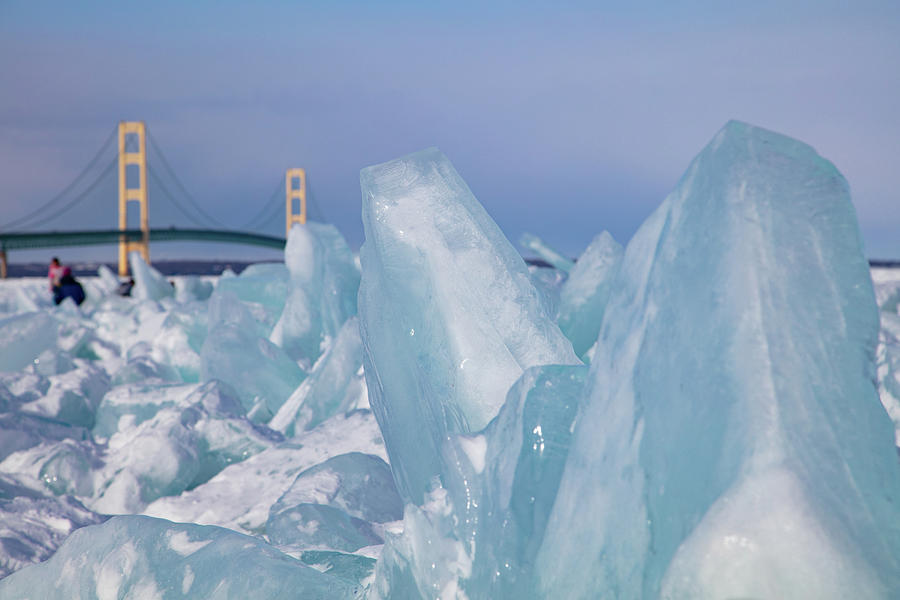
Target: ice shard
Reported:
[(584, 294), (888, 365), (324, 283), (548, 282), (20, 431), (448, 316), (149, 284), (262, 289), (107, 282), (329, 388), (733, 444)]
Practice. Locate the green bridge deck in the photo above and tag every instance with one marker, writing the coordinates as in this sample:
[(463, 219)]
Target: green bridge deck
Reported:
[(54, 239)]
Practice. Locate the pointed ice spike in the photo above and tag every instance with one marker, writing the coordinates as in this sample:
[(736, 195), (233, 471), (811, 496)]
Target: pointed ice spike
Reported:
[(733, 444), (448, 314)]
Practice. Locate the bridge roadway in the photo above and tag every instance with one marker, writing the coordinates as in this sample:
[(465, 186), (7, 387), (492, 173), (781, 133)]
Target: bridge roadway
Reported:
[(54, 239)]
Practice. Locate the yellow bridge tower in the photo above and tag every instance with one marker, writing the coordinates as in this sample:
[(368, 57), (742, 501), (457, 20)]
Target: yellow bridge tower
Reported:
[(128, 155), (292, 193)]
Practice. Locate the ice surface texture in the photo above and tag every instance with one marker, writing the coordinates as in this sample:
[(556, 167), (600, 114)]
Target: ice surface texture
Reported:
[(142, 557), (479, 535), (236, 352), (732, 444), (25, 337), (33, 523), (241, 495), (449, 317), (329, 389)]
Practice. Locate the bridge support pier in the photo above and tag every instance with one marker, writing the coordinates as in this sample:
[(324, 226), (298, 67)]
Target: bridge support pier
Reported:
[(295, 193), (137, 193)]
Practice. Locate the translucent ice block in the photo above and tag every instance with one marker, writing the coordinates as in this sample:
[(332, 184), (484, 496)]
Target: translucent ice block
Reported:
[(584, 294), (733, 444), (149, 284), (324, 283), (448, 315)]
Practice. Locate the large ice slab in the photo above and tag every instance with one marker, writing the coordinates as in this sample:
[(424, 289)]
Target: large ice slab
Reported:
[(584, 294), (142, 557), (448, 315), (33, 524), (733, 444), (324, 282)]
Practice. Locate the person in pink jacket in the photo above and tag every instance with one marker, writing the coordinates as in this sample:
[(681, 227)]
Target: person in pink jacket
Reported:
[(62, 284), (57, 272)]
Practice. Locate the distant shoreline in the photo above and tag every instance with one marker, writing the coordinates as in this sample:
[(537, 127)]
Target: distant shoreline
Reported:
[(216, 267), (889, 264), (166, 267)]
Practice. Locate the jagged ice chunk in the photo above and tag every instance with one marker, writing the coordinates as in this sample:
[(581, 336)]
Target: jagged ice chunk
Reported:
[(449, 317)]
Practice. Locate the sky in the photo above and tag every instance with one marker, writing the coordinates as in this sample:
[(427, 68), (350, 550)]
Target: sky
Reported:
[(564, 118)]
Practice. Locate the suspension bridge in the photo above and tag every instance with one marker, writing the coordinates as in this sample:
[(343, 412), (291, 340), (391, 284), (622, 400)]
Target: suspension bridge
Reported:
[(139, 170)]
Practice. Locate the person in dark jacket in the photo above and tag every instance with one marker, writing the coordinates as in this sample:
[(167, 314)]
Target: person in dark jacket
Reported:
[(62, 284)]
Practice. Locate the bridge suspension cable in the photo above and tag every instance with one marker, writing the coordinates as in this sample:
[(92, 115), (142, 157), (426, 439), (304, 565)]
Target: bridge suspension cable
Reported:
[(158, 182), (25, 219), (209, 219), (77, 199), (316, 213), (273, 205)]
